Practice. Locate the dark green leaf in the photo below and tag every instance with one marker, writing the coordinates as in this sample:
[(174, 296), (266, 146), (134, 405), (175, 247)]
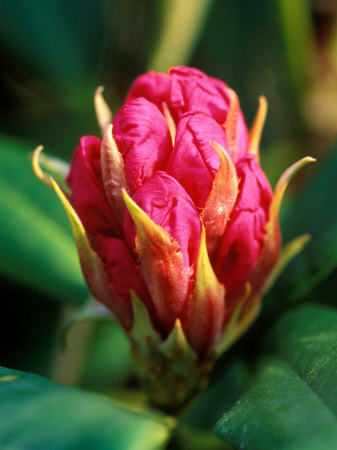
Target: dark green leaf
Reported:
[(279, 411), (292, 402), (36, 244), (306, 339), (226, 386), (38, 414)]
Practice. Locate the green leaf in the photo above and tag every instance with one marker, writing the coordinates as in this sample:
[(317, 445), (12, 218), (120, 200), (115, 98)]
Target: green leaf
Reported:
[(226, 386), (37, 248), (38, 414), (279, 411), (291, 404), (306, 339), (313, 211)]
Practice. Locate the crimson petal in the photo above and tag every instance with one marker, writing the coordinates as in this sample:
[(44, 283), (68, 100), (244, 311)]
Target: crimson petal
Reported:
[(144, 140), (193, 161), (169, 206), (87, 190)]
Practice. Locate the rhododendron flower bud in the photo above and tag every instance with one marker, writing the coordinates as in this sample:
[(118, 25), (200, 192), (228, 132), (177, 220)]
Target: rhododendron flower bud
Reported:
[(176, 223)]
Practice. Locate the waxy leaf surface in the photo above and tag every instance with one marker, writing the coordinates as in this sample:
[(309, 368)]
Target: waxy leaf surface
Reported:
[(38, 414), (291, 404)]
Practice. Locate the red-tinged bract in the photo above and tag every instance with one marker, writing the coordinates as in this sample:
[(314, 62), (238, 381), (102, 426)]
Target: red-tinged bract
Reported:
[(180, 151)]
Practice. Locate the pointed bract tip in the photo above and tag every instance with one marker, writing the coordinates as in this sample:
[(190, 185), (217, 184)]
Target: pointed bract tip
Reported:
[(46, 179), (176, 345), (216, 146), (103, 112), (257, 128), (113, 173), (284, 180), (170, 122), (140, 218), (161, 263), (221, 200), (231, 123)]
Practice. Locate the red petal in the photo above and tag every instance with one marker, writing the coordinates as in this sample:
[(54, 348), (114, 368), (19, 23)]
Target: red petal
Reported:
[(169, 206), (152, 86), (122, 274), (243, 238), (243, 136), (144, 140), (194, 162), (87, 191), (192, 90)]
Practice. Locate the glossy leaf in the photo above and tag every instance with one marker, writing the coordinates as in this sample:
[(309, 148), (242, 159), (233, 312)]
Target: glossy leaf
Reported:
[(36, 245), (38, 414), (279, 411), (226, 385), (306, 338), (291, 404)]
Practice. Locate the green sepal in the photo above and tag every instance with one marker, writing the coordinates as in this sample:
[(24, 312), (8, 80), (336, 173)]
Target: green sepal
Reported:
[(270, 253), (204, 319), (142, 329), (176, 346), (240, 321)]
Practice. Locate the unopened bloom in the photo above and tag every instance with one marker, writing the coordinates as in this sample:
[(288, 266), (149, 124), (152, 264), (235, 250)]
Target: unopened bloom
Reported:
[(174, 214)]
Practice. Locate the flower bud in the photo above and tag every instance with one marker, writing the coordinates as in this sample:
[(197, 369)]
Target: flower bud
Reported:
[(176, 224)]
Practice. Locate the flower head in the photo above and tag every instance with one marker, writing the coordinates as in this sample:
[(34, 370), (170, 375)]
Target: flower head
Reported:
[(174, 216)]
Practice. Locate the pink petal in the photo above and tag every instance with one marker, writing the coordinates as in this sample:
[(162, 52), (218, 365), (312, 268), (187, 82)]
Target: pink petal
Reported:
[(163, 199), (242, 242), (192, 90), (143, 139), (243, 136), (152, 86), (123, 275), (87, 191), (193, 161)]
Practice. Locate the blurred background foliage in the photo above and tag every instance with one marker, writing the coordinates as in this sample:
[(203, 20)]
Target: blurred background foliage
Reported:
[(53, 56)]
